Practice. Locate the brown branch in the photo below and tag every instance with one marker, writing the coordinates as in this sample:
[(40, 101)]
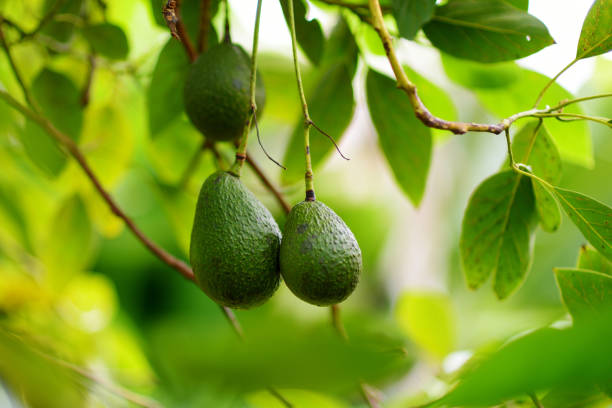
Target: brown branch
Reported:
[(205, 17), (266, 181), (88, 81), (172, 17)]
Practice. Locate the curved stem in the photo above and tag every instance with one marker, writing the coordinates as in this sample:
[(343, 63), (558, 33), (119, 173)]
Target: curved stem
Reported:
[(509, 145), (241, 151), (552, 81), (264, 179), (309, 176), (596, 119)]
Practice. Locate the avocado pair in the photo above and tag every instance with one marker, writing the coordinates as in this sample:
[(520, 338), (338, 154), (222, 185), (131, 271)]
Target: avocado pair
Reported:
[(238, 256)]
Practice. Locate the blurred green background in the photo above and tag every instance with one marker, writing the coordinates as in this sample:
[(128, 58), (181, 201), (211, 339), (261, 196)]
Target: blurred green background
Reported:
[(78, 290)]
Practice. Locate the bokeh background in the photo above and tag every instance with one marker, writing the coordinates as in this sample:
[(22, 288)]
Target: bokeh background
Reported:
[(77, 290)]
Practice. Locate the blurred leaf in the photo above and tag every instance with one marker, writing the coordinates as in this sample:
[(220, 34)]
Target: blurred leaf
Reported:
[(331, 107), (12, 216), (596, 35), (32, 377), (275, 346), (427, 318), (165, 93), (546, 358), (69, 241), (520, 4), (567, 397), (297, 398), (410, 15), (589, 258), (541, 154), (592, 218), (435, 98), (497, 232), (405, 141), (473, 74), (107, 39), (486, 31), (180, 207), (61, 30), (308, 33), (572, 138), (341, 48), (585, 293)]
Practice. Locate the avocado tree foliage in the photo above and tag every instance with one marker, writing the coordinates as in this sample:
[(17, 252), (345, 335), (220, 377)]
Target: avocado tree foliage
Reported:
[(73, 76)]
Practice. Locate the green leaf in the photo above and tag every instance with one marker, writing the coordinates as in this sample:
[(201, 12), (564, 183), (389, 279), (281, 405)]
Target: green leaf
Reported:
[(520, 4), (596, 35), (589, 258), (593, 219), (405, 141), (308, 33), (297, 397), (585, 293), (573, 139), (497, 232), (427, 318), (568, 397), (62, 30), (410, 15), (58, 98), (331, 106), (544, 359), (165, 93), (478, 75), (108, 40), (539, 152), (486, 31), (436, 99)]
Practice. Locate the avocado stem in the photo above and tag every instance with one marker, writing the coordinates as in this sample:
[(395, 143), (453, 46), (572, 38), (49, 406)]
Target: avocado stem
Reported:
[(241, 153), (309, 175)]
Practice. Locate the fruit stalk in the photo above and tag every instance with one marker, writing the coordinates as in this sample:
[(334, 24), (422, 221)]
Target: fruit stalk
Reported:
[(241, 152), (308, 177)]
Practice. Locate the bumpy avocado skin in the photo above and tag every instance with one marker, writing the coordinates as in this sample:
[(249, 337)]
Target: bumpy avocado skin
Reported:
[(235, 244), (216, 92), (320, 259)]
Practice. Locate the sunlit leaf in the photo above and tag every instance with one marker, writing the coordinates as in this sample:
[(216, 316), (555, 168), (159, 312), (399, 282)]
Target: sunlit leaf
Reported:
[(107, 39), (520, 4), (308, 32), (568, 397), (486, 31), (585, 293), (541, 154), (297, 398), (497, 232), (589, 258), (428, 320), (472, 74), (405, 141), (410, 15), (593, 219), (596, 35)]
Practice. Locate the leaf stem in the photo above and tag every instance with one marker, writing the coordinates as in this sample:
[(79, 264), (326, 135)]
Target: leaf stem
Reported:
[(241, 153), (597, 119), (535, 400), (309, 176), (552, 81), (510, 155)]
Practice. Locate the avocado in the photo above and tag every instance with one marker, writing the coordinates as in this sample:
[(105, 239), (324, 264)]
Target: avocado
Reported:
[(234, 244), (320, 259), (217, 92)]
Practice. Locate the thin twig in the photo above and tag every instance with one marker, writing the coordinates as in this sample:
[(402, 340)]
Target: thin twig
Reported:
[(192, 166), (172, 17), (233, 321), (535, 400), (271, 187), (261, 144), (552, 81), (85, 95), (331, 139), (367, 396), (205, 17), (279, 397)]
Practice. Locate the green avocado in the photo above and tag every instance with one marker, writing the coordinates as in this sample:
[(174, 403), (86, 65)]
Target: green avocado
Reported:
[(320, 259), (217, 92), (234, 244)]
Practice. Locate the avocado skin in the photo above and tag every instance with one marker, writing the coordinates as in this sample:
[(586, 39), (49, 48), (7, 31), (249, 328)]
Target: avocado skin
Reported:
[(235, 243), (320, 259), (216, 93)]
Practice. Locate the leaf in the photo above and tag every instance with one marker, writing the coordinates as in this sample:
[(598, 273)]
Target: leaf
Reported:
[(405, 141), (427, 318), (520, 4), (497, 232), (165, 93), (589, 258), (544, 359), (486, 31), (298, 398), (568, 397), (410, 15), (107, 39), (585, 293), (478, 75), (539, 151), (573, 139), (308, 33), (596, 34), (592, 218), (331, 106)]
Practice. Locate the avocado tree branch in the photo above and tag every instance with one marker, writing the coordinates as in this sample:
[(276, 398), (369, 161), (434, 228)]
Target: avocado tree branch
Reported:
[(280, 198), (71, 148), (172, 17), (205, 17)]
